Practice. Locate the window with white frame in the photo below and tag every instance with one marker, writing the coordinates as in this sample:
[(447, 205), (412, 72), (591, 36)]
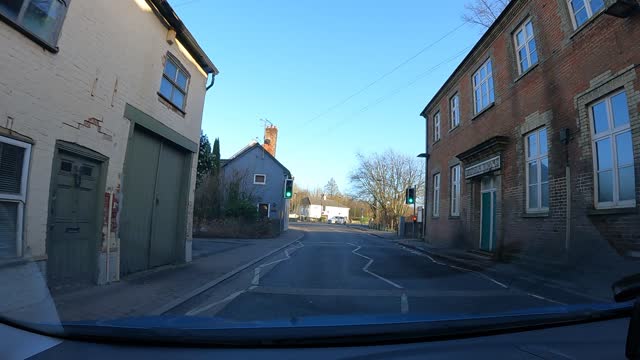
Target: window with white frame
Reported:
[(259, 179), (14, 167), (454, 106), (173, 86), (41, 18), (582, 10), (455, 190), (436, 126), (612, 152), (436, 195), (483, 87), (525, 46), (537, 171)]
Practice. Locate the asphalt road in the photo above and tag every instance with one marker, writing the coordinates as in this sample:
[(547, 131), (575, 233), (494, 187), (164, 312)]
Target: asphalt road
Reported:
[(335, 270)]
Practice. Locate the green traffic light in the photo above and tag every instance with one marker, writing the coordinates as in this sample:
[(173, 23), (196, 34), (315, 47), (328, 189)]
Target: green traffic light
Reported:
[(410, 201), (288, 194)]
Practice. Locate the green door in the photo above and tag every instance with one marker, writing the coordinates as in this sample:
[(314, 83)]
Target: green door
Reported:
[(73, 238), (152, 202), (167, 207), (487, 220)]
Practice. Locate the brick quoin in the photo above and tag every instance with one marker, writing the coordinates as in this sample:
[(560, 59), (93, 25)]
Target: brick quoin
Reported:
[(573, 67)]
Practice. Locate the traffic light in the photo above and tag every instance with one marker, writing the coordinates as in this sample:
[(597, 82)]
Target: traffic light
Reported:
[(410, 196), (288, 188)]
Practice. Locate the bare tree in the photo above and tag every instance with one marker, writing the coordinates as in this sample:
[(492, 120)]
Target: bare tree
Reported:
[(331, 189), (483, 12), (380, 180)]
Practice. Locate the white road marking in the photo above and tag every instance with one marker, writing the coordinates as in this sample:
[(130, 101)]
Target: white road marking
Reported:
[(547, 299), (415, 252), (256, 276), (366, 268), (197, 311), (287, 254), (404, 304)]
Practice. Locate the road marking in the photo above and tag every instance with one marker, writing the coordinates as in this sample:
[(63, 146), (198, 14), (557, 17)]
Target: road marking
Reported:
[(287, 254), (197, 311), (366, 268), (547, 299), (404, 304), (256, 276)]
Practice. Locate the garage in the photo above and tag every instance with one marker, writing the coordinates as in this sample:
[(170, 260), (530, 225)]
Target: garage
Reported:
[(154, 201)]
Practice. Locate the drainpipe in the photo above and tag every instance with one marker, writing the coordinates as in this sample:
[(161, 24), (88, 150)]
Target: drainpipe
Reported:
[(213, 81), (109, 214)]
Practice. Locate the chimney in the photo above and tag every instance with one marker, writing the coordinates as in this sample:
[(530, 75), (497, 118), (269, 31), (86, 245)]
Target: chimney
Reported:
[(270, 139)]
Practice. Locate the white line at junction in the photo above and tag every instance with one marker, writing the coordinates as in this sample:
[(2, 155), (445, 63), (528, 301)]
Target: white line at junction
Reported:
[(366, 268)]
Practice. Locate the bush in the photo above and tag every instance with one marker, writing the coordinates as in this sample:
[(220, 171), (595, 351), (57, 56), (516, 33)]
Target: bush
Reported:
[(237, 228)]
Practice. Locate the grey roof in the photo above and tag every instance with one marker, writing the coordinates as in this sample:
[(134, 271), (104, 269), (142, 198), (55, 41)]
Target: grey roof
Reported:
[(328, 202), (248, 148)]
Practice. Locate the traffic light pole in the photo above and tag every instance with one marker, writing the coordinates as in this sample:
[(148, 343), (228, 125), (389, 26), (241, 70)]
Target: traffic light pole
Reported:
[(414, 221)]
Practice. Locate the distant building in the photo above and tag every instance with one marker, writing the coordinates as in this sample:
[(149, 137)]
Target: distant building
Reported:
[(100, 114), (534, 140), (261, 177), (316, 209)]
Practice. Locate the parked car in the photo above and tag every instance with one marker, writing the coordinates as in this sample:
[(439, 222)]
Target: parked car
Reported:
[(340, 220)]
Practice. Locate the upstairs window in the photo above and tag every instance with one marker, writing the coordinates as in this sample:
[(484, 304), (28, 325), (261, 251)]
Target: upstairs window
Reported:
[(454, 106), (436, 127), (582, 10), (613, 152), (175, 80), (483, 87), (259, 179), (525, 47), (40, 18)]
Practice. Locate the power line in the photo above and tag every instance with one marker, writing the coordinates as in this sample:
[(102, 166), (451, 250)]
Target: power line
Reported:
[(398, 89), (343, 101)]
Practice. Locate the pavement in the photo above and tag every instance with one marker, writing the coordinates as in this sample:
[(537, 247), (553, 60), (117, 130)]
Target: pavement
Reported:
[(155, 291), (339, 270)]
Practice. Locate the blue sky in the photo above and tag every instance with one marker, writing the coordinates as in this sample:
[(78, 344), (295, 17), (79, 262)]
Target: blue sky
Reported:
[(292, 61)]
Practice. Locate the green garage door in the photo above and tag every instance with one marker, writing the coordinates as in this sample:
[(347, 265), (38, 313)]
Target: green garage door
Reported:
[(153, 205)]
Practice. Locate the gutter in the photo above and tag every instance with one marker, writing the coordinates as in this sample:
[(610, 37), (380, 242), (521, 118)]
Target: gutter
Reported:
[(165, 12)]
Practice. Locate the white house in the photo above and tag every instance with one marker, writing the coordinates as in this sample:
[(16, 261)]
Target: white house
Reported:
[(99, 101), (315, 209)]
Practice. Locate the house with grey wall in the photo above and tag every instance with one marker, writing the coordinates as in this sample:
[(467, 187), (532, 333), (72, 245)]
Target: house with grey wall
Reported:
[(261, 178)]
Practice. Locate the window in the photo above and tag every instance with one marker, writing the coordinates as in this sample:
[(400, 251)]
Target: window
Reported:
[(436, 127), (454, 106), (41, 18), (537, 171), (525, 47), (14, 160), (455, 190), (175, 79), (483, 87), (260, 179), (613, 152), (436, 195), (582, 10), (263, 210)]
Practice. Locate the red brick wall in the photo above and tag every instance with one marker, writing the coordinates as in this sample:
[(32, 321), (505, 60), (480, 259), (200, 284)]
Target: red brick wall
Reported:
[(569, 64)]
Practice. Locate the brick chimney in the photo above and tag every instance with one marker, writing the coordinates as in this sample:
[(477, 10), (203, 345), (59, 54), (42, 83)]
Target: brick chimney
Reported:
[(270, 139)]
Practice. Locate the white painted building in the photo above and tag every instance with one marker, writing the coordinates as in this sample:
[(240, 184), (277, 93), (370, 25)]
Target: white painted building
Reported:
[(96, 98), (315, 209)]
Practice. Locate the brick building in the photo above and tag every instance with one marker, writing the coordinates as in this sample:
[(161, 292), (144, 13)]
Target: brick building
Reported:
[(100, 115), (534, 140)]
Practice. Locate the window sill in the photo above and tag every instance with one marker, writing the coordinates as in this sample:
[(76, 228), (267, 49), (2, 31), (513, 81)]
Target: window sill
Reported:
[(530, 69), (435, 216), (454, 217), (541, 214), (489, 107), (33, 37), (454, 128), (613, 211), (586, 23), (170, 104)]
